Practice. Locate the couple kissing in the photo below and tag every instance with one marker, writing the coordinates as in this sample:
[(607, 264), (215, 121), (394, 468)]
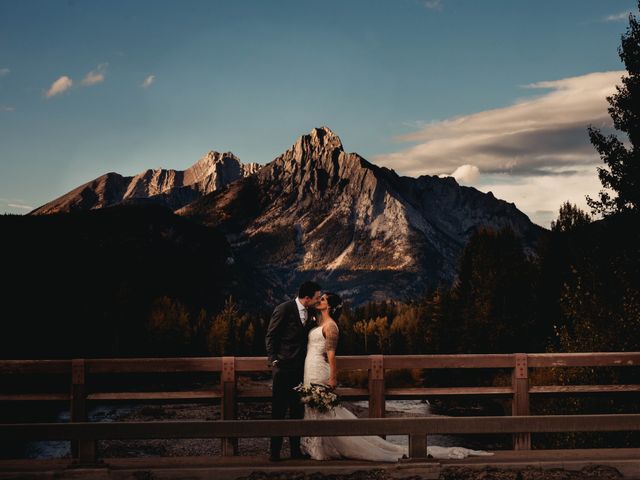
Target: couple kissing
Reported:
[(301, 342)]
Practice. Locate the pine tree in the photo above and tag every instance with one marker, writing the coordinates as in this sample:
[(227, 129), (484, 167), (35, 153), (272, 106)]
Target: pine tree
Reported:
[(494, 294), (623, 173), (570, 217)]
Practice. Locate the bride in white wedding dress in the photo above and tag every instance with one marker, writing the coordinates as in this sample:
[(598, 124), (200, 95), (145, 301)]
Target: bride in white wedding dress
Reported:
[(320, 367)]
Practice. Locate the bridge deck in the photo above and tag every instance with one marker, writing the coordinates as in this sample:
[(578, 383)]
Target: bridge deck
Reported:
[(626, 461)]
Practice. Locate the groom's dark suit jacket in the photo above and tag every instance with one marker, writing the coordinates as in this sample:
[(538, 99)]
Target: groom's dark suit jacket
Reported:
[(286, 338)]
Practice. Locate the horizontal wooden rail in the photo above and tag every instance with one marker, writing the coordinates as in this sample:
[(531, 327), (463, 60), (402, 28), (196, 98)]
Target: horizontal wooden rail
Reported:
[(447, 391), (357, 362), (87, 434), (154, 365), (346, 393), (584, 389), (187, 395), (595, 359), (35, 397), (50, 367), (449, 361), (361, 426)]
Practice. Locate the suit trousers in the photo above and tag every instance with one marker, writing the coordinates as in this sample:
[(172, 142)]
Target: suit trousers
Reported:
[(285, 398)]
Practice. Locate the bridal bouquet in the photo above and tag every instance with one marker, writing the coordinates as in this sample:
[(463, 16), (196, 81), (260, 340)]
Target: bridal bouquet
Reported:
[(317, 396)]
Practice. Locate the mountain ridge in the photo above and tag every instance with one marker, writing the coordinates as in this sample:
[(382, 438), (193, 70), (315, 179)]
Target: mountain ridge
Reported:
[(317, 211), (167, 187)]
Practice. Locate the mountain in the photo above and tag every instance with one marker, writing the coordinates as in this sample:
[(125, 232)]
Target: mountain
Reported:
[(170, 188), (319, 212)]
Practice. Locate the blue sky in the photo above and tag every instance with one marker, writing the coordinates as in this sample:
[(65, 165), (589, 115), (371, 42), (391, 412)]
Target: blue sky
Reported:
[(411, 84)]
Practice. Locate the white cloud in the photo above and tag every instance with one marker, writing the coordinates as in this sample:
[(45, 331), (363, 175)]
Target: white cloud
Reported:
[(95, 76), (59, 86), (540, 196), (618, 17), (4, 71), (468, 174), (433, 4), (23, 207), (148, 81), (523, 148), (527, 137), (6, 108)]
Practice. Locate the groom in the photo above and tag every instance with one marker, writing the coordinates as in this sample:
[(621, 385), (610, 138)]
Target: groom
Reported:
[(286, 342)]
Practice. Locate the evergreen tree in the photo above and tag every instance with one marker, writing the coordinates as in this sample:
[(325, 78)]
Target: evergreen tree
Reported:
[(569, 218), (494, 295), (348, 341), (441, 331), (623, 173)]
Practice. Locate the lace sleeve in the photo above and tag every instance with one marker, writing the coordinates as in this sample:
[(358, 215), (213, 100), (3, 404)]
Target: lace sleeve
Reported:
[(331, 336)]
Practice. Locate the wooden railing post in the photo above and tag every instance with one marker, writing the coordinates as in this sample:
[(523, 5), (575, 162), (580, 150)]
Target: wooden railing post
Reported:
[(417, 447), (83, 451), (229, 403), (376, 387), (520, 403)]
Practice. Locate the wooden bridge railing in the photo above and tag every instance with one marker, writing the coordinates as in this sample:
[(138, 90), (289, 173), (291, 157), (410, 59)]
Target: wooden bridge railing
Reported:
[(228, 393), (415, 428)]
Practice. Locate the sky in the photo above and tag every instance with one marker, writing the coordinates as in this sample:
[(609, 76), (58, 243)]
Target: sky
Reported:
[(497, 93)]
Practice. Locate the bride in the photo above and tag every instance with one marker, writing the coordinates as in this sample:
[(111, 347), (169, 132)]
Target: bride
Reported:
[(320, 367)]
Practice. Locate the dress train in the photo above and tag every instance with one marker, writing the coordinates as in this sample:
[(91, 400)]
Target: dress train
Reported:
[(370, 447)]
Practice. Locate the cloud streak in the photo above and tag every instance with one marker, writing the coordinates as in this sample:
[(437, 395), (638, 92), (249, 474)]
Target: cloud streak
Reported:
[(61, 85), (618, 17), (95, 76), (433, 4), (20, 206), (516, 147), (4, 71), (148, 81), (539, 135)]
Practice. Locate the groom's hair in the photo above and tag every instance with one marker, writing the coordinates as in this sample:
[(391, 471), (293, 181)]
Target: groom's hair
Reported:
[(308, 289)]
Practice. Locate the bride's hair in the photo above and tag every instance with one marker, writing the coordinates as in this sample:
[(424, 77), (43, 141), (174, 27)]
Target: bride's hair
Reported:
[(335, 305)]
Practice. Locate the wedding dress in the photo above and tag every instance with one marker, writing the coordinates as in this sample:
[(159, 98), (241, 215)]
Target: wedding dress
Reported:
[(374, 448)]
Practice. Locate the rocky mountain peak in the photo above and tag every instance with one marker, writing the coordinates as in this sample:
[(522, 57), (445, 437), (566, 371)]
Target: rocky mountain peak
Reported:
[(209, 164), (317, 211), (319, 143), (324, 136), (168, 187)]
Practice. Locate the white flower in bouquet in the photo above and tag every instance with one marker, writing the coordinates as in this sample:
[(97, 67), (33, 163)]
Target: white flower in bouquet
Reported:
[(317, 396)]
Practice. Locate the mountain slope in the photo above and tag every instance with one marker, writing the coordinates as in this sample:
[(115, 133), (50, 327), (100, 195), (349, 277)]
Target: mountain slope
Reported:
[(170, 188), (319, 212)]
